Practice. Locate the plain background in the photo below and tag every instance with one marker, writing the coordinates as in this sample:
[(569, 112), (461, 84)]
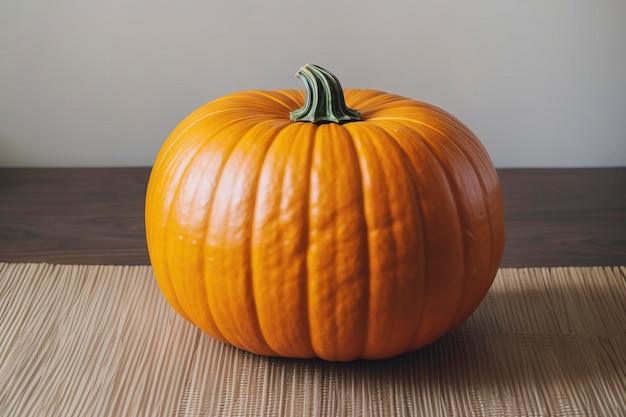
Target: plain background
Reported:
[(103, 83)]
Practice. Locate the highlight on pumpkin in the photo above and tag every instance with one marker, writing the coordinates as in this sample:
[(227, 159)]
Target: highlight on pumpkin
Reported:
[(361, 240)]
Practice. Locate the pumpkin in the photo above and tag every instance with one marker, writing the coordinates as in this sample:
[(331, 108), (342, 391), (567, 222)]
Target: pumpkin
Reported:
[(324, 223)]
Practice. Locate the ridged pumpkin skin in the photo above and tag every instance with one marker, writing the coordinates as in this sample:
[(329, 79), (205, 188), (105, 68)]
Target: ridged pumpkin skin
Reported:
[(361, 240)]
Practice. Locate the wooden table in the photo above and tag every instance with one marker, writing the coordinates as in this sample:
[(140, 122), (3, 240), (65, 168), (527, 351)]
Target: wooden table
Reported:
[(555, 217)]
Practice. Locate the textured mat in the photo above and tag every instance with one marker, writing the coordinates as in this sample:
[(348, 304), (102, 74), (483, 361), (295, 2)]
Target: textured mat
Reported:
[(101, 340)]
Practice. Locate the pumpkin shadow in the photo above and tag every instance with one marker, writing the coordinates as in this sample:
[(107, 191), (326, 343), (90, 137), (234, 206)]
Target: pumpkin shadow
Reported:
[(561, 335), (552, 347)]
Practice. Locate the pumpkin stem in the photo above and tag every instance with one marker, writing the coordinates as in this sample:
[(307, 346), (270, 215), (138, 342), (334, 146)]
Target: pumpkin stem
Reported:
[(324, 102)]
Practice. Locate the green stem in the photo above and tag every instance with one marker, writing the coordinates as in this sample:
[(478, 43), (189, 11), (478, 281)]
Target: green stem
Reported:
[(324, 102)]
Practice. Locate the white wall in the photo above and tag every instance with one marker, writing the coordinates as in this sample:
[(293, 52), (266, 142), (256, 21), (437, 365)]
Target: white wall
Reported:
[(102, 83)]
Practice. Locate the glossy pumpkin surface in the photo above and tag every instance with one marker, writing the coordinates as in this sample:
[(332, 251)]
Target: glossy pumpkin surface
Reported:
[(365, 239)]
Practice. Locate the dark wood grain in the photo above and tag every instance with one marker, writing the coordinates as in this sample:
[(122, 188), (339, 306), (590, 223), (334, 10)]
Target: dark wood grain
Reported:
[(558, 217), (95, 216), (88, 216)]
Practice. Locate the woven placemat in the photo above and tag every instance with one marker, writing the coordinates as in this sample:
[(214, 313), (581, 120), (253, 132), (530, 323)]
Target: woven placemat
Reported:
[(101, 340)]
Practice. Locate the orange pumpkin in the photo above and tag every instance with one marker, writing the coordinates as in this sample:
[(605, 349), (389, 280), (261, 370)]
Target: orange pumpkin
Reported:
[(324, 231)]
